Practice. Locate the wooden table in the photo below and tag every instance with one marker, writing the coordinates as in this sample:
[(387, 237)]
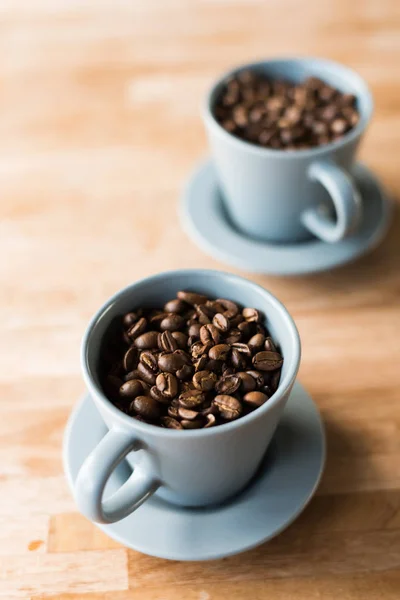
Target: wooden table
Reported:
[(99, 128)]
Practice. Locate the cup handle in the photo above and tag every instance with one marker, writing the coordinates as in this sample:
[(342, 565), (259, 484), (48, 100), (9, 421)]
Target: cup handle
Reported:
[(96, 470), (345, 197)]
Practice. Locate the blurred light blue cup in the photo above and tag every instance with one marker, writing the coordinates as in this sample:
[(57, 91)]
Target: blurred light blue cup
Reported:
[(288, 196), (190, 468)]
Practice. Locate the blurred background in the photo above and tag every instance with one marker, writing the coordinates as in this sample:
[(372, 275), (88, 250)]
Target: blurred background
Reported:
[(99, 130)]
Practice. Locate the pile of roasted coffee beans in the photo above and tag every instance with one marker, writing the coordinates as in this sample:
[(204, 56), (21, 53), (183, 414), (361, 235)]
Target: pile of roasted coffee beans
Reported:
[(195, 363), (283, 115)]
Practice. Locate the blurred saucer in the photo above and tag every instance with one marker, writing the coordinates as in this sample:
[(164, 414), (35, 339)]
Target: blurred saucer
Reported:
[(283, 486), (204, 218)]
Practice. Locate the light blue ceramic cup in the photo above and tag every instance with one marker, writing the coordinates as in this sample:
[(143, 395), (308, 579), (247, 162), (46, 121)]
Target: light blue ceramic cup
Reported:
[(190, 468), (288, 196)]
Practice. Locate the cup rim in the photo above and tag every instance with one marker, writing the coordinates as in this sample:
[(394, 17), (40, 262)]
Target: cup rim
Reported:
[(316, 151), (124, 420)]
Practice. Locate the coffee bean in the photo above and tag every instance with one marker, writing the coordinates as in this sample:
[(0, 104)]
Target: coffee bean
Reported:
[(187, 365), (237, 320), (173, 409), (170, 423), (137, 328), (247, 382), (327, 93), (235, 335), (147, 374), (131, 412), (266, 390), (146, 407), (256, 342), (214, 365), (229, 407), (281, 114), (167, 342), (274, 382), (238, 360), (167, 384), (208, 407), (180, 338), (257, 376), (187, 413), (328, 113), (131, 388), (204, 314), (266, 136), (175, 306), (130, 319), (229, 125), (171, 362), (231, 309), (200, 363), (339, 126), (251, 315), (228, 384), (221, 322), (184, 373), (130, 359), (293, 114), (156, 318), (194, 330), (267, 361), (126, 338), (191, 316), (185, 356), (204, 380), (157, 395), (196, 424), (314, 83), (192, 340), (132, 375), (256, 114), (147, 341), (215, 306), (255, 399), (209, 334), (269, 345), (172, 322), (319, 128), (242, 348), (245, 328), (198, 349), (351, 115), (219, 352), (149, 360), (240, 117), (210, 421), (192, 298), (191, 399)]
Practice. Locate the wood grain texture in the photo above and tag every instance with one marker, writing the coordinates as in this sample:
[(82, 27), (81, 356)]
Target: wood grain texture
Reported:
[(99, 129)]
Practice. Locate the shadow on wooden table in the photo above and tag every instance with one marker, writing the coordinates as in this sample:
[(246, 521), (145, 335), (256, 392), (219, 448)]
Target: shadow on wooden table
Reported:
[(331, 535), (373, 268)]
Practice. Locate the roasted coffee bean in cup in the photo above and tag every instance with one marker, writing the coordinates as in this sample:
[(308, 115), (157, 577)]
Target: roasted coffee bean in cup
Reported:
[(284, 115), (194, 363)]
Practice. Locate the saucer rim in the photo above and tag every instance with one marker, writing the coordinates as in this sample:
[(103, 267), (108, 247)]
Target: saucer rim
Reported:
[(108, 528), (365, 246)]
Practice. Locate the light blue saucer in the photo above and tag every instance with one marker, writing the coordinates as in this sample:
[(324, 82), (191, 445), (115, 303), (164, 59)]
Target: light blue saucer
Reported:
[(284, 485), (204, 218)]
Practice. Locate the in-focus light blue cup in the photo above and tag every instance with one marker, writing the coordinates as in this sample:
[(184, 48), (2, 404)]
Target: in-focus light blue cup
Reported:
[(288, 195), (193, 467)]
